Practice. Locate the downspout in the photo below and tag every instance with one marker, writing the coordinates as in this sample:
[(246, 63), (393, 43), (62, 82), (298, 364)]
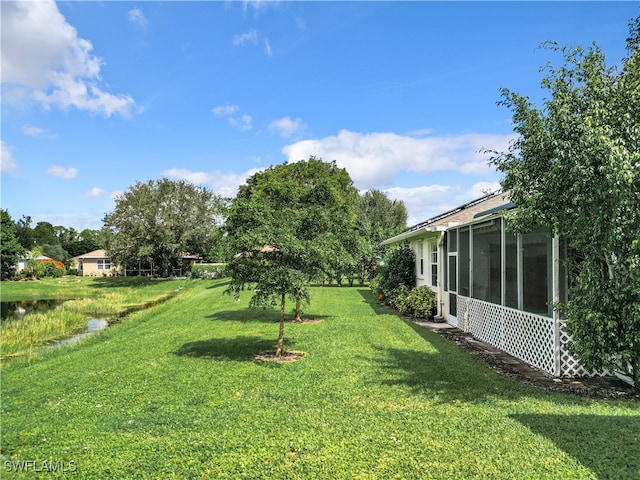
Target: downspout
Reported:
[(557, 347), (441, 285)]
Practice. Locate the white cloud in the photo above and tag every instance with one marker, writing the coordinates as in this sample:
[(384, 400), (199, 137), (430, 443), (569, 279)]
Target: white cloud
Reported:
[(427, 201), (44, 61), (94, 192), (373, 159), (116, 194), (252, 37), (267, 47), (243, 122), (481, 189), (287, 127), (66, 173), (7, 162), (259, 5), (36, 132), (136, 16), (225, 184), (225, 110), (248, 37), (232, 114)]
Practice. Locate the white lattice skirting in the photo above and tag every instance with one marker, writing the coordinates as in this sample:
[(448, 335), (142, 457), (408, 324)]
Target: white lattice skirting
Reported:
[(527, 336)]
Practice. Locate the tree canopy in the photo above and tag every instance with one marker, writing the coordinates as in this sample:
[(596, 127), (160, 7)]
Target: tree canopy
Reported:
[(575, 167), (10, 248), (161, 220), (380, 218), (289, 224)]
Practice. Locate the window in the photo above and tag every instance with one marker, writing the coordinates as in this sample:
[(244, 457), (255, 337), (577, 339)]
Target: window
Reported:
[(490, 264), (434, 263), (536, 272), (487, 261), (511, 270), (464, 260), (104, 264), (421, 247), (452, 271)]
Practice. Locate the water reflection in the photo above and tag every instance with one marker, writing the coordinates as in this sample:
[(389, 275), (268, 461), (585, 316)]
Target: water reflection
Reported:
[(94, 325), (17, 310)]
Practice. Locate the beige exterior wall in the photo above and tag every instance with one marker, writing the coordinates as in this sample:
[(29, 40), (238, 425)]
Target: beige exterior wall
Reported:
[(95, 264)]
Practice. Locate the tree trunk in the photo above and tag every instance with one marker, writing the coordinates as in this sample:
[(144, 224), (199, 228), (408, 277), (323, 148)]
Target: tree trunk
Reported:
[(297, 318), (636, 375), (279, 349)]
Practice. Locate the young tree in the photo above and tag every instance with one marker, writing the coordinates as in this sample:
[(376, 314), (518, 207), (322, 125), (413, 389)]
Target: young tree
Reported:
[(576, 168), (159, 221), (284, 226), (10, 248)]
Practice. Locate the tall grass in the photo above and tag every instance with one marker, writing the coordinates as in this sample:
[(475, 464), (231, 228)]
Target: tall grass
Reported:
[(109, 299)]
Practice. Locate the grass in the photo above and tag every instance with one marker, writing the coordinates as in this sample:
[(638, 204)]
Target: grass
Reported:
[(173, 392), (107, 298)]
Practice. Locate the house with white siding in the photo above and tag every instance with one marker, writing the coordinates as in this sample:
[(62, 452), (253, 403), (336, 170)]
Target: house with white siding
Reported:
[(496, 285)]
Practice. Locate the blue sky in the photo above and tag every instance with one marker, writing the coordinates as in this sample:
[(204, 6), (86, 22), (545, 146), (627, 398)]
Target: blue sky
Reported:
[(99, 95)]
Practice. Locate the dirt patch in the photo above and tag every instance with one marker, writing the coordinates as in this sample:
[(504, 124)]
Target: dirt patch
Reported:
[(287, 356), (304, 321), (593, 387)]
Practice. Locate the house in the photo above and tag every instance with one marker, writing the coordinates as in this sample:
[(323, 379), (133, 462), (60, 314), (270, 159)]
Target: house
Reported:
[(95, 264), (98, 264), (496, 285), (23, 262)]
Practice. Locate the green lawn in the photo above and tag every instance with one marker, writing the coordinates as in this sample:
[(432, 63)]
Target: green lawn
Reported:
[(173, 392)]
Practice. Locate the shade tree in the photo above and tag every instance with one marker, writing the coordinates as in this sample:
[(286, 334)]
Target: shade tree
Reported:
[(284, 228), (575, 167)]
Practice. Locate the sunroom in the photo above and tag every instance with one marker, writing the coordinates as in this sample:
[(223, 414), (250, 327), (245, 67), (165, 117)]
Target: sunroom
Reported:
[(501, 287)]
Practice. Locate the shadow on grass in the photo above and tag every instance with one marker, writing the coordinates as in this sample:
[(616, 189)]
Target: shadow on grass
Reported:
[(609, 446), (241, 348), (442, 376), (371, 300), (267, 315), (449, 373)]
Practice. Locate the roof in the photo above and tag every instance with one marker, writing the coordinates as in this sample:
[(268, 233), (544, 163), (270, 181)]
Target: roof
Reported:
[(95, 254), (490, 203)]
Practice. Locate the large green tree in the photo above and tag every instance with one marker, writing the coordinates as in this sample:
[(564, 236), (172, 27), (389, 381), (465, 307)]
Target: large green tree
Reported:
[(10, 248), (380, 218), (24, 233), (576, 168), (286, 226), (159, 221), (44, 234)]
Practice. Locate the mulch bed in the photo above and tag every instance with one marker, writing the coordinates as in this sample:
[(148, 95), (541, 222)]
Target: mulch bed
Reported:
[(592, 387), (287, 356)]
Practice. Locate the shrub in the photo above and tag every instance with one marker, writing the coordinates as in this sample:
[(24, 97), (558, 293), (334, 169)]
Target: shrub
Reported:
[(396, 298), (374, 285), (50, 268), (422, 302), (208, 271), (72, 271), (399, 269)]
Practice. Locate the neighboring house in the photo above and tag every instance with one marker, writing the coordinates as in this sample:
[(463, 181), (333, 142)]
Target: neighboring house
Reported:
[(98, 264), (23, 263), (496, 285), (95, 264)]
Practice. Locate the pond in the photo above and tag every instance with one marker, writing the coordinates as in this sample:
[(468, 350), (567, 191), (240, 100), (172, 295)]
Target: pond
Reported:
[(94, 325), (17, 310)]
